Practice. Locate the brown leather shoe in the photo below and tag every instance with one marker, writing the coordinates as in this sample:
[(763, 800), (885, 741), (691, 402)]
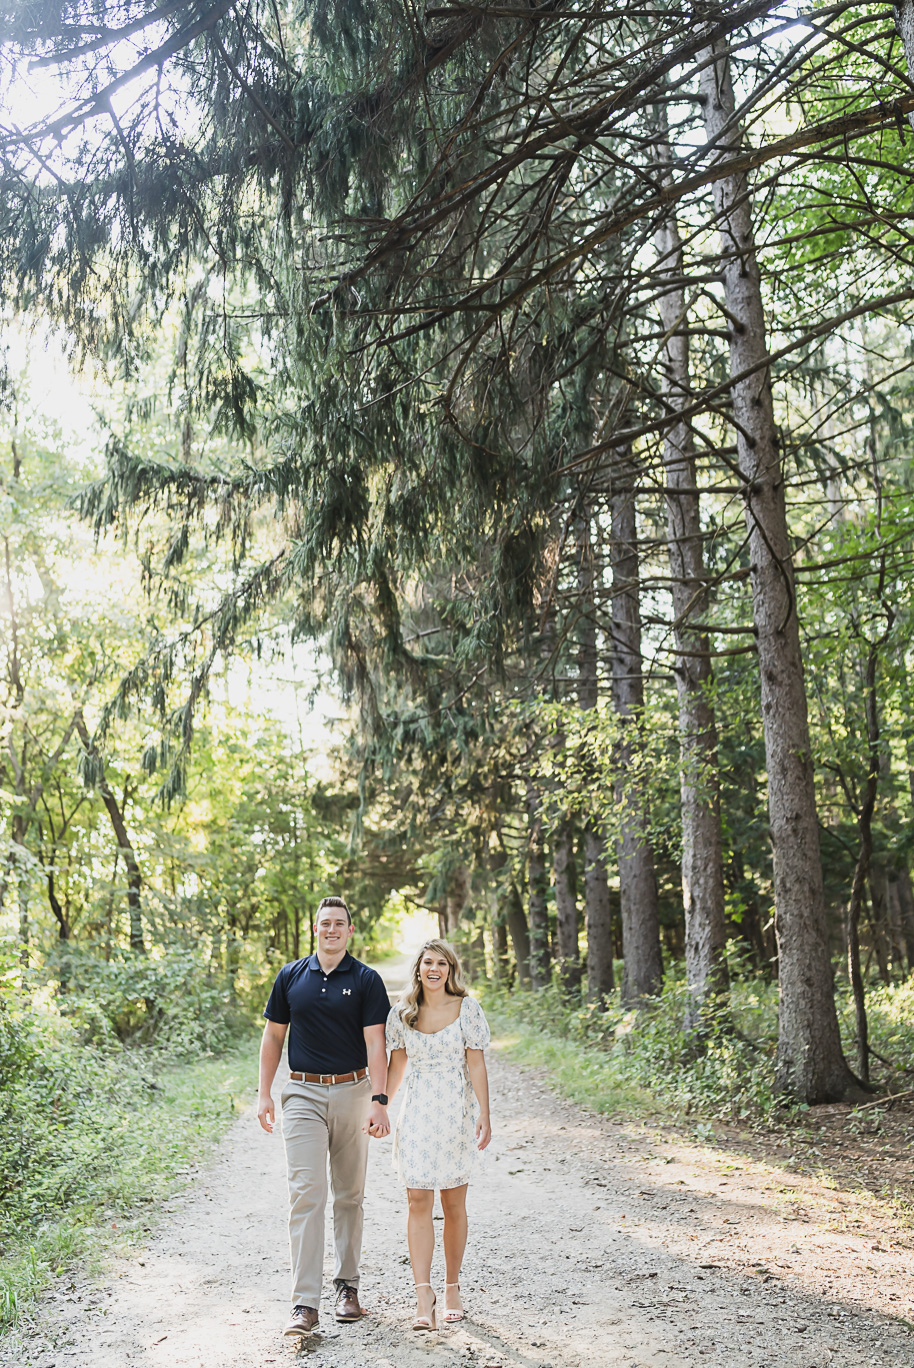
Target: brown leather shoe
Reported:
[(303, 1322), (347, 1305)]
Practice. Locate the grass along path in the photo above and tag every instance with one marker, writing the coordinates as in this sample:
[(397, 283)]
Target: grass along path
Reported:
[(124, 1163)]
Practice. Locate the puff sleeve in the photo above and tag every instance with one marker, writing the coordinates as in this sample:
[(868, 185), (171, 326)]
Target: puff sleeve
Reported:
[(476, 1033), (394, 1031)]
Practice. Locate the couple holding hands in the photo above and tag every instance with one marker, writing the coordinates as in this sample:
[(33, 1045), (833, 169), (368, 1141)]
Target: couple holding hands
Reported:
[(341, 1026)]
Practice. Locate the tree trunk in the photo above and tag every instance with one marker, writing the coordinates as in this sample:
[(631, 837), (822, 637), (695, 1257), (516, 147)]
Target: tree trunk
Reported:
[(60, 916), (895, 919), (811, 1065), (23, 895), (906, 907), (519, 933), (750, 925), (854, 908), (888, 914), (474, 954), (888, 922), (233, 947), (119, 826), (882, 945), (566, 903), (643, 962), (702, 846), (599, 917), (597, 909), (540, 955), (904, 22), (500, 962), (456, 900)]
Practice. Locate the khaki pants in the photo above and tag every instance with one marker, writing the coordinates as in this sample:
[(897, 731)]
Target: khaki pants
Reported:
[(321, 1121)]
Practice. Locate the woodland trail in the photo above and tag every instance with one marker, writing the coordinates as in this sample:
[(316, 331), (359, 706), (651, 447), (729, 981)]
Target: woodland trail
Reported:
[(592, 1243)]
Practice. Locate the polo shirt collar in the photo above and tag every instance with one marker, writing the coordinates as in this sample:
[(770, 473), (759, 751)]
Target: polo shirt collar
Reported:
[(343, 967)]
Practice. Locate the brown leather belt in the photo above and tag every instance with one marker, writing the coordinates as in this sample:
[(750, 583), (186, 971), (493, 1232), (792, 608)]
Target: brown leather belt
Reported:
[(330, 1078)]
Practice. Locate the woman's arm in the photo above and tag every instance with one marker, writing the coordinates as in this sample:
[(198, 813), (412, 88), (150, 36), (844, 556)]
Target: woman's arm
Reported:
[(476, 1068), (395, 1071)]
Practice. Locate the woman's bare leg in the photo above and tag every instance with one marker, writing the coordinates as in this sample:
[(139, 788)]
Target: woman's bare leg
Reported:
[(454, 1206), (420, 1235)]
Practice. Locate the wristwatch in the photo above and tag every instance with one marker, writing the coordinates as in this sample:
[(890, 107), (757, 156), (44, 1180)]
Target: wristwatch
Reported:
[(380, 1097)]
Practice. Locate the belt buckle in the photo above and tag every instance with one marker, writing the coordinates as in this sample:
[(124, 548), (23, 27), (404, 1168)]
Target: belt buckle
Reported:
[(327, 1078)]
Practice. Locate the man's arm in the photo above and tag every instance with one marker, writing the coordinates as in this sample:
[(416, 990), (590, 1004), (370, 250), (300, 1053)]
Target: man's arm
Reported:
[(274, 1034), (377, 1124)]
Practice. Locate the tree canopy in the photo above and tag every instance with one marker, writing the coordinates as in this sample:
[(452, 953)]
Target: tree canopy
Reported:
[(550, 365)]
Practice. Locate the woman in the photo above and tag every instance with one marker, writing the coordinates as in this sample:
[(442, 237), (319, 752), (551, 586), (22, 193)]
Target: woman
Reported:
[(443, 1033)]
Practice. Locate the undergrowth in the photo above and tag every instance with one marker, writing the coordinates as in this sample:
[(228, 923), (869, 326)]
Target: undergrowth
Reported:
[(114, 1078), (614, 1059)]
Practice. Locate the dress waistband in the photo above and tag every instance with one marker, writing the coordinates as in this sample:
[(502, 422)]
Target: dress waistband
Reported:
[(435, 1065)]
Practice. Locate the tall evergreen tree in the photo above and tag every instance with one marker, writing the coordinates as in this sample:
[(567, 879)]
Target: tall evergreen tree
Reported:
[(810, 1059)]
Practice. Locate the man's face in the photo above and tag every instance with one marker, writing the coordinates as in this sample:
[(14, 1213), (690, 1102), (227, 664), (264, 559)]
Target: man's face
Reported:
[(332, 930)]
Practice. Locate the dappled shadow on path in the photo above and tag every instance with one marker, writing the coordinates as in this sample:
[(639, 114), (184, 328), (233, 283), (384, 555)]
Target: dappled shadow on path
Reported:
[(592, 1245)]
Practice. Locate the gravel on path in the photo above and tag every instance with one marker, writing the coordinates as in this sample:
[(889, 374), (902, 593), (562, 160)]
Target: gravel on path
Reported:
[(592, 1243)]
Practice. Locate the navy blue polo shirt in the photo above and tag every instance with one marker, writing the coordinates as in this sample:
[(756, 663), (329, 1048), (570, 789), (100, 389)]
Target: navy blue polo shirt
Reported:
[(327, 1013)]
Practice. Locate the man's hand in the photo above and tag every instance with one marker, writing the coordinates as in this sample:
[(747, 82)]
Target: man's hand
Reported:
[(274, 1033), (377, 1125), (265, 1113)]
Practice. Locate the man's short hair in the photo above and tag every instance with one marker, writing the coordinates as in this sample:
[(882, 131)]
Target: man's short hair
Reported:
[(332, 901)]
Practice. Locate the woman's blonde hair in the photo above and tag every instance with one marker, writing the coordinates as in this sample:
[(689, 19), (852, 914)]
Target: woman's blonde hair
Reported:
[(411, 998)]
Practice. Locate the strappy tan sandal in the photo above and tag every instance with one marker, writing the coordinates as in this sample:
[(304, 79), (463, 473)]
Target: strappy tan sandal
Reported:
[(451, 1317), (426, 1322)]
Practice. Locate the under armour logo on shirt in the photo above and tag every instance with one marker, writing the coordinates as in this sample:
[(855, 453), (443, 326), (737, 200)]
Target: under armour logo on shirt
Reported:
[(347, 992)]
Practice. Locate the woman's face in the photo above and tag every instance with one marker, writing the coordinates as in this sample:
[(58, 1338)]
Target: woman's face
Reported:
[(433, 970)]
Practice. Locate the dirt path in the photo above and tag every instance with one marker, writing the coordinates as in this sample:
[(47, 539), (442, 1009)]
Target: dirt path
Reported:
[(591, 1243)]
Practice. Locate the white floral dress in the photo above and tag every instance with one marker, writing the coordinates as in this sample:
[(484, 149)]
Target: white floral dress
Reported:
[(435, 1135)]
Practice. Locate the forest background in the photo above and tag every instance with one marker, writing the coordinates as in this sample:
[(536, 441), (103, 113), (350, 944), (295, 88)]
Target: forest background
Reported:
[(538, 378)]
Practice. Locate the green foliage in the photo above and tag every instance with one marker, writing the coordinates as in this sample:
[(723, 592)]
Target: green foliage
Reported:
[(726, 1073), (67, 1139), (171, 999), (15, 1046), (615, 1060), (890, 1009), (24, 1277), (582, 1073), (91, 1130), (382, 354)]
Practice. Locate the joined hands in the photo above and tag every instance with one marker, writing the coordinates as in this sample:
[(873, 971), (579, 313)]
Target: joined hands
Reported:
[(378, 1124)]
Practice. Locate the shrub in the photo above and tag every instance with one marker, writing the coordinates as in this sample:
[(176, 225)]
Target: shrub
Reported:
[(77, 1059), (890, 1013), (725, 1072), (169, 999), (728, 1071)]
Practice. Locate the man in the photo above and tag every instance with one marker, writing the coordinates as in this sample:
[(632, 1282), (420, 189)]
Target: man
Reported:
[(337, 1009)]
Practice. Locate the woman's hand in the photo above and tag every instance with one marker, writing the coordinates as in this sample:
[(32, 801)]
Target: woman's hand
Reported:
[(483, 1132)]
